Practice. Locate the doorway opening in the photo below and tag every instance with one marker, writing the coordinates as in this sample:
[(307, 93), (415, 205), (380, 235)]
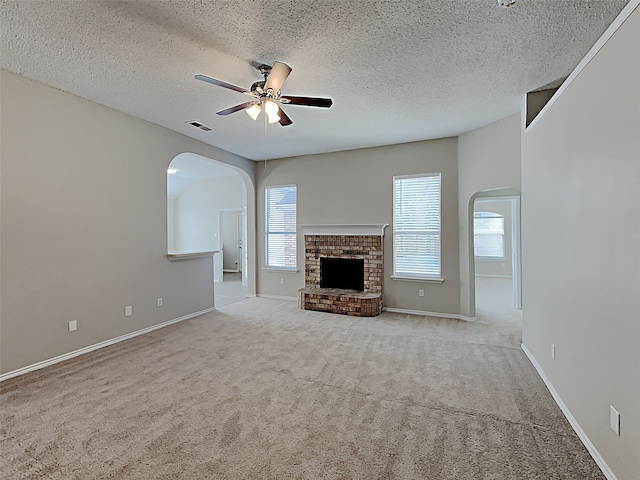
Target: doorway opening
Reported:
[(230, 268), (496, 258)]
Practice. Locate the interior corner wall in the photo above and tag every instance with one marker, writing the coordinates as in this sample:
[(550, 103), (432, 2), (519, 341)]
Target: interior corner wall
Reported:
[(356, 187), (84, 224), (488, 158), (581, 220), (197, 211)]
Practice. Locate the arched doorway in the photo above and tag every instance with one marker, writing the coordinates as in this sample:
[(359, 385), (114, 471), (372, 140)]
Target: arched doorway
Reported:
[(203, 195), (494, 254)]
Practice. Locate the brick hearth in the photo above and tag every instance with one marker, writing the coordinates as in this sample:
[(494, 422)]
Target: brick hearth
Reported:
[(346, 302)]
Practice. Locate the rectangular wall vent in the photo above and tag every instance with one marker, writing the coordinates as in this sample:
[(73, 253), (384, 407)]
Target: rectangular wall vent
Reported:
[(199, 125)]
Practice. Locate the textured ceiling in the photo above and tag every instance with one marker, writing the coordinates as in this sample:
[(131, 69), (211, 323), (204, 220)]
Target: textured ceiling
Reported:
[(398, 71)]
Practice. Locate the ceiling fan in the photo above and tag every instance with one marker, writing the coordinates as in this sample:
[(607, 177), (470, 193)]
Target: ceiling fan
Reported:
[(267, 95)]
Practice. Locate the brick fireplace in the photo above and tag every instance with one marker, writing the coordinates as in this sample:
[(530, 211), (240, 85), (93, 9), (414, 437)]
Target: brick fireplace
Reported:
[(349, 251)]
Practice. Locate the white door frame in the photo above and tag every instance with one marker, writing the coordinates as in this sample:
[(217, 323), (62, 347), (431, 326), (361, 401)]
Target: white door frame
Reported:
[(514, 203), (499, 194)]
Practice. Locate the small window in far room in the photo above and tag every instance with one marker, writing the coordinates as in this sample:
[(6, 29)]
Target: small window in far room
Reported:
[(280, 227), (488, 235)]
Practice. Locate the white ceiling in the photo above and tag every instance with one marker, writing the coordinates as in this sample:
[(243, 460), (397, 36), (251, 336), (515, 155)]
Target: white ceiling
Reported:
[(397, 70)]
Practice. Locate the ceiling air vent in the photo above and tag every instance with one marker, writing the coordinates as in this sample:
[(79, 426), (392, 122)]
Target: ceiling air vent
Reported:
[(199, 125)]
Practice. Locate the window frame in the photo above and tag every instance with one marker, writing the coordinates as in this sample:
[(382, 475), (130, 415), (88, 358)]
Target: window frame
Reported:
[(404, 276), (294, 232)]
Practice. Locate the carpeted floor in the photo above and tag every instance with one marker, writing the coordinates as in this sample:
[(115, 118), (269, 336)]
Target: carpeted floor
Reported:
[(262, 390)]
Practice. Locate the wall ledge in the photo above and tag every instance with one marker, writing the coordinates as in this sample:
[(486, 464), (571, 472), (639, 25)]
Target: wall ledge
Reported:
[(617, 23), (175, 256)]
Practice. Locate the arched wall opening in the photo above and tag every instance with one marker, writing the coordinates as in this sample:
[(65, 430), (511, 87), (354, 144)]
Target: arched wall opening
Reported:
[(201, 192), (507, 193)]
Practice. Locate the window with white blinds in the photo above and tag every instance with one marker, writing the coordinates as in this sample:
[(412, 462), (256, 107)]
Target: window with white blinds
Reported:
[(488, 235), (416, 226), (280, 227)]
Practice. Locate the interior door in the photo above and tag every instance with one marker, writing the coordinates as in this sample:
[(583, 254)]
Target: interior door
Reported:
[(244, 245), (231, 223), (230, 241)]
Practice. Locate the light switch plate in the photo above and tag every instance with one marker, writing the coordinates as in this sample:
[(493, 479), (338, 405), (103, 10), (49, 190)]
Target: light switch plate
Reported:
[(73, 325), (128, 311)]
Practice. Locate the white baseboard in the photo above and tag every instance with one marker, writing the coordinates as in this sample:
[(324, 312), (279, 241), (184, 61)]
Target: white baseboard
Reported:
[(96, 346), (572, 421), (455, 316), (277, 297), (388, 309), (493, 276)]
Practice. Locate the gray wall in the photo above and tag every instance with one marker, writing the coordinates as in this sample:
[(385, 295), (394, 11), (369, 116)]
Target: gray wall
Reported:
[(356, 187), (488, 158), (84, 224), (581, 221), (196, 215)]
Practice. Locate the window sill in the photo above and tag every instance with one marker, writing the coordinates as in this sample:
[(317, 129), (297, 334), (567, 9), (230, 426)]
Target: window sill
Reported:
[(281, 270), (491, 259), (417, 279)]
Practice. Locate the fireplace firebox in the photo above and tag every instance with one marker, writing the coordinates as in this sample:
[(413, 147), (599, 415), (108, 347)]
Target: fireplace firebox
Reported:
[(347, 273)]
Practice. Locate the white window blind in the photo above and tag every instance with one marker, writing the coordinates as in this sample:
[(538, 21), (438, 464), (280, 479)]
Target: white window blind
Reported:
[(416, 226), (488, 235), (280, 227)]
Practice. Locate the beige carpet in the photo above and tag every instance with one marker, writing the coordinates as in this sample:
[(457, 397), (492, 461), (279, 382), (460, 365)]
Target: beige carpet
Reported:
[(262, 390)]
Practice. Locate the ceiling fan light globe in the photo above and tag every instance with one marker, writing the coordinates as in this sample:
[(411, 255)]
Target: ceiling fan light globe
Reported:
[(271, 109), (273, 118), (254, 111)]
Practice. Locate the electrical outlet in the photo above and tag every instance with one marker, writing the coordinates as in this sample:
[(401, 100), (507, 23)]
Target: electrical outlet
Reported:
[(128, 311), (553, 351), (421, 293), (282, 281), (614, 420), (159, 302), (73, 325)]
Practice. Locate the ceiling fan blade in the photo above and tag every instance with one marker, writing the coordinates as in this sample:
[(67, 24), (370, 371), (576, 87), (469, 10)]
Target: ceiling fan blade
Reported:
[(279, 73), (220, 83), (307, 101), (284, 119), (237, 108)]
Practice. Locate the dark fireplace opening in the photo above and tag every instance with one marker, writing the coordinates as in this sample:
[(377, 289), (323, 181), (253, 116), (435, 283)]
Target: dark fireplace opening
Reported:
[(342, 273)]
